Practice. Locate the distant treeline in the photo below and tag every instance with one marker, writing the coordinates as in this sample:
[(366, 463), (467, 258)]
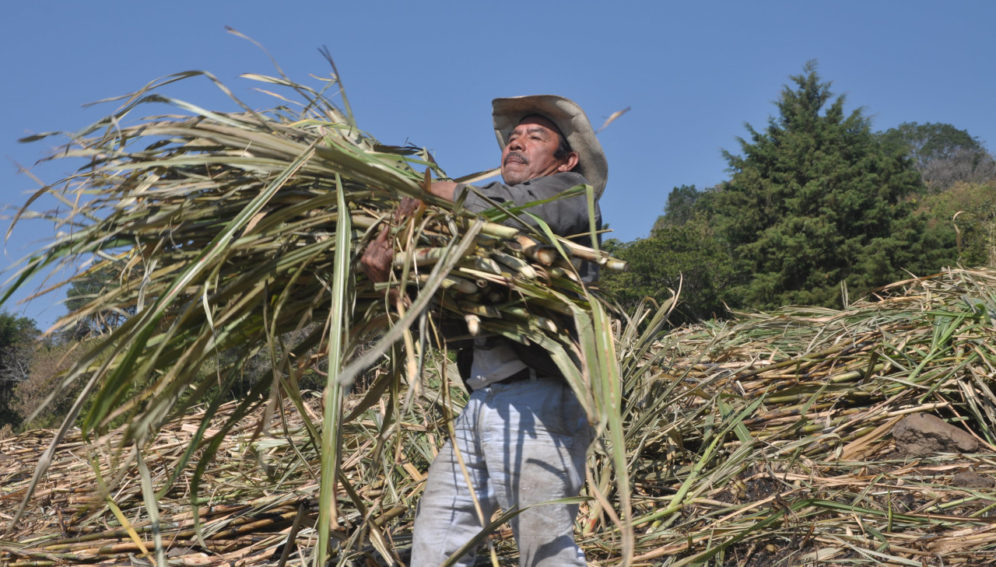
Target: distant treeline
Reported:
[(819, 209)]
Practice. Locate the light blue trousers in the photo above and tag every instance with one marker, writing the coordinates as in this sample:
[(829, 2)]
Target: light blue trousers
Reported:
[(521, 443)]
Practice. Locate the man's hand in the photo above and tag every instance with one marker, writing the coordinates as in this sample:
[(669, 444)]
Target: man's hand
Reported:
[(379, 254), (406, 208), (378, 257)]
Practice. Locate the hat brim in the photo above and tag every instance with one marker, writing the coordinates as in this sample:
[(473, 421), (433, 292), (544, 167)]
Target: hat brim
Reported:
[(569, 118)]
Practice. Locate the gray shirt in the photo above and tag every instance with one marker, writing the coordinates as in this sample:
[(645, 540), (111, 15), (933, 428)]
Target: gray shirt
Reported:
[(491, 360), (566, 217)]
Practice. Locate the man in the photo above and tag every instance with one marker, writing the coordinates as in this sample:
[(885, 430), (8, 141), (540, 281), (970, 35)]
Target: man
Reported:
[(523, 436)]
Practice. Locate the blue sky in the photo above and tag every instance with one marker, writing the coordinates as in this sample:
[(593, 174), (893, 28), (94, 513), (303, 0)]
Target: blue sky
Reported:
[(693, 74)]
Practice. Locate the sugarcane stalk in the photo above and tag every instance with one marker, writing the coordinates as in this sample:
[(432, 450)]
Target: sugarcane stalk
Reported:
[(473, 324), (421, 257), (524, 314), (455, 283), (544, 254), (517, 265), (478, 309)]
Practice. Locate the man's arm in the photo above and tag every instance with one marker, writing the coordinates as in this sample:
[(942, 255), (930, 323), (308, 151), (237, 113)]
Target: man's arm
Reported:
[(565, 216), (443, 189)]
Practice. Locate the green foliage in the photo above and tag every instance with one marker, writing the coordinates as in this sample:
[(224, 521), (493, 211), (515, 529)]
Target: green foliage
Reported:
[(683, 251), (682, 204), (83, 296), (944, 155), (965, 214), (818, 206), (48, 367), (688, 256), (817, 201), (927, 142), (17, 336)]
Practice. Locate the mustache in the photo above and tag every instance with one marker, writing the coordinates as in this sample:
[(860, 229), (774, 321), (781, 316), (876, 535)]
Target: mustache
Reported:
[(518, 157)]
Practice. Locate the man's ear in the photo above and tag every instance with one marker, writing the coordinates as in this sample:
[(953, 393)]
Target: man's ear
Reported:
[(570, 163)]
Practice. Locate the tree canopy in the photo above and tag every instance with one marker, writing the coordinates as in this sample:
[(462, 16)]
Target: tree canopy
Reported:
[(686, 256), (944, 155), (16, 346), (83, 296), (965, 214), (818, 208), (816, 202)]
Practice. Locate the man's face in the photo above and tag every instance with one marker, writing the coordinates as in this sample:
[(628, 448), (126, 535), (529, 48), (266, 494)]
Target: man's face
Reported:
[(529, 151)]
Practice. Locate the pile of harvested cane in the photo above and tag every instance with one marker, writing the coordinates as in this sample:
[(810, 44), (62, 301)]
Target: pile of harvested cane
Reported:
[(800, 437), (243, 518), (819, 437)]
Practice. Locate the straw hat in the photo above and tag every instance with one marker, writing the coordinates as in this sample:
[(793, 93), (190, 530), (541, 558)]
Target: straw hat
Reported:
[(569, 118)]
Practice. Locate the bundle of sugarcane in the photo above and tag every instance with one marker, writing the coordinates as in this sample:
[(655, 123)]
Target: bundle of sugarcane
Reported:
[(222, 236)]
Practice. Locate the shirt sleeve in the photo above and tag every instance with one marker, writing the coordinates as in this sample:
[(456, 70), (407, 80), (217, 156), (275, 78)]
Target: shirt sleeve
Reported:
[(565, 216)]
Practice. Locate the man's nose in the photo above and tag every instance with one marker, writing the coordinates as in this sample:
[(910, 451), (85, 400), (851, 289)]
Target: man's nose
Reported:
[(515, 144)]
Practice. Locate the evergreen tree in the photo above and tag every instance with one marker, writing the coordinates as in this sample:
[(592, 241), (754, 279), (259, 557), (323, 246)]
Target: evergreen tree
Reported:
[(815, 201)]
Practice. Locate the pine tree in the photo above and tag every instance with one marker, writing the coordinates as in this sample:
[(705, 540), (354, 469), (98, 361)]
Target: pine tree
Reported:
[(815, 201)]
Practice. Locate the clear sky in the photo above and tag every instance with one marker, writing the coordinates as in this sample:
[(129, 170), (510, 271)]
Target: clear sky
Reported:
[(693, 74)]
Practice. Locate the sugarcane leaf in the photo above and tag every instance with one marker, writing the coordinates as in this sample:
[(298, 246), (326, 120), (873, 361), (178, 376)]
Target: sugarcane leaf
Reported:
[(332, 424)]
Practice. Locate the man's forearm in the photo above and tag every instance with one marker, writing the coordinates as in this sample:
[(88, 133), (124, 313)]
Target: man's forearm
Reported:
[(443, 189)]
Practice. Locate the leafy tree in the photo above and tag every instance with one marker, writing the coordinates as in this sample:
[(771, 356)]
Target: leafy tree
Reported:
[(17, 335), (688, 255), (682, 203), (966, 214), (87, 290), (928, 142), (48, 367), (943, 154), (816, 200)]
